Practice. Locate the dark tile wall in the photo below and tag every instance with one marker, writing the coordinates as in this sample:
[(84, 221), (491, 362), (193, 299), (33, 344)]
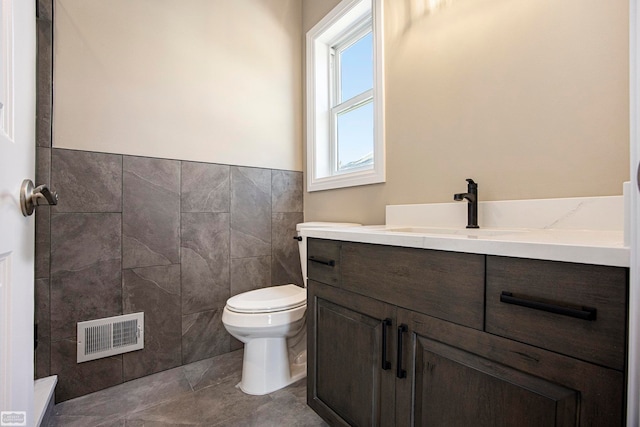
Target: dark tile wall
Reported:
[(156, 292), (44, 106), (174, 239), (150, 212)]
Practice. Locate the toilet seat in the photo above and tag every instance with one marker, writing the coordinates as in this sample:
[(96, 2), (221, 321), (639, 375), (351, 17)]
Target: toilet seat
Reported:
[(268, 300)]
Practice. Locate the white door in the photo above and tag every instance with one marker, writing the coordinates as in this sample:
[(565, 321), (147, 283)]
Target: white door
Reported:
[(17, 148), (633, 389)]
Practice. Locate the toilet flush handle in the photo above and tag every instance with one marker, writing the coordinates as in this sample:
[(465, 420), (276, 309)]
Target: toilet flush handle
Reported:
[(298, 238)]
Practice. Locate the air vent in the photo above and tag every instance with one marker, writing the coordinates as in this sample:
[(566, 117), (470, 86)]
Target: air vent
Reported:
[(112, 335)]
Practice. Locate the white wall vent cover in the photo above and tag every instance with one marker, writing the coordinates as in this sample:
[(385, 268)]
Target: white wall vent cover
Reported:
[(112, 335)]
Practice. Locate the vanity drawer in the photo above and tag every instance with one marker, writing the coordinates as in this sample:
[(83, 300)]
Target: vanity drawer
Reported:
[(574, 309), (323, 261), (446, 285)]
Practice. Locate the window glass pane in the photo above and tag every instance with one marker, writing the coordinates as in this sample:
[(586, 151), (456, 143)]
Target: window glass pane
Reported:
[(356, 68), (355, 138)]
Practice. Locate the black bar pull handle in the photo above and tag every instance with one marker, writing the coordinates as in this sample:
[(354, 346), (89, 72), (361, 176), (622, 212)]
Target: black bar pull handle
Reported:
[(400, 373), (585, 313), (321, 260), (386, 365)]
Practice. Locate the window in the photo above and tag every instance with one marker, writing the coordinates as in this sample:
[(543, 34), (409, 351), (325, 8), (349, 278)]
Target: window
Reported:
[(345, 137)]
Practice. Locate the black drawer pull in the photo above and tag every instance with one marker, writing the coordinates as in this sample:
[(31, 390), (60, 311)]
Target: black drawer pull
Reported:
[(585, 313), (386, 365), (323, 261), (400, 373)]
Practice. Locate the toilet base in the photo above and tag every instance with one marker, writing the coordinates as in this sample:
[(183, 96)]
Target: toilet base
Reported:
[(266, 367)]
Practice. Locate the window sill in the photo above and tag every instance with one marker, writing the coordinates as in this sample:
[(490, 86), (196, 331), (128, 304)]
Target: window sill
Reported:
[(352, 179)]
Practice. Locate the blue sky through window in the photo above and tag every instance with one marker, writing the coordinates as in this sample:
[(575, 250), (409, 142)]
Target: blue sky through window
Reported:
[(356, 68), (355, 127)]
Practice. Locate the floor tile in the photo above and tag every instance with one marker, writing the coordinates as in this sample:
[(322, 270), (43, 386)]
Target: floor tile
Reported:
[(214, 370), (82, 421), (128, 397), (203, 393)]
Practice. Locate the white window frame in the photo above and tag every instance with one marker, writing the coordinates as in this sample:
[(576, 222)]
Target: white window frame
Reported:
[(347, 15), (337, 105)]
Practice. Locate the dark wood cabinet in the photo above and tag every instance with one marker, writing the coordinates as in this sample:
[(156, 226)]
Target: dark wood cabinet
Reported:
[(550, 305), (459, 376), (446, 285), (324, 261), (395, 340), (347, 384)]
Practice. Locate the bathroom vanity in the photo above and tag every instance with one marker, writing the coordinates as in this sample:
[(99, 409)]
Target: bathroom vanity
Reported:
[(403, 334)]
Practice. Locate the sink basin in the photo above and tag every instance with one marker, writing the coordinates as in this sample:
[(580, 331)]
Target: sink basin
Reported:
[(469, 232)]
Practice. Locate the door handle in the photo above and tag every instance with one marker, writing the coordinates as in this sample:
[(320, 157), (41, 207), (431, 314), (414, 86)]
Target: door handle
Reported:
[(584, 313), (323, 261), (386, 365), (400, 373), (31, 196)]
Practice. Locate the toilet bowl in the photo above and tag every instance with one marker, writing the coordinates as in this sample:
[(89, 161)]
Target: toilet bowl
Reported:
[(264, 331), (271, 324)]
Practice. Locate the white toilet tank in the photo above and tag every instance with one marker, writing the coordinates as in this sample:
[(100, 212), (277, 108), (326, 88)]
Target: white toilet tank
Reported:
[(302, 242)]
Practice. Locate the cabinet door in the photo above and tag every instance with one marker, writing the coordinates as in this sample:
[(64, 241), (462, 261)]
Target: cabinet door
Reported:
[(460, 376), (347, 384)]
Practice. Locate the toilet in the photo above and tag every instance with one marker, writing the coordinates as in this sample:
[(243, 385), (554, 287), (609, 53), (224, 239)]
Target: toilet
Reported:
[(271, 324)]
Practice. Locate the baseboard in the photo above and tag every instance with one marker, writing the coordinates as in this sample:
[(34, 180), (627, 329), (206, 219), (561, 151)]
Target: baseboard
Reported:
[(43, 399)]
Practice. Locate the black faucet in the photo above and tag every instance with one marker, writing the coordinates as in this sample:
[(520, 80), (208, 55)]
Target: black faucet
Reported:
[(472, 206)]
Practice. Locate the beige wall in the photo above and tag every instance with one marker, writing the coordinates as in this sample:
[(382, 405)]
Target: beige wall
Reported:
[(206, 80), (529, 98)]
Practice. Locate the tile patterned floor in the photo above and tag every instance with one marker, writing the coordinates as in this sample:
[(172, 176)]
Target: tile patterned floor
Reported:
[(203, 393)]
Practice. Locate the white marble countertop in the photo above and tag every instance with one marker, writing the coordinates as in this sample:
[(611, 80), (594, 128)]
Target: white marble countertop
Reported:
[(600, 247)]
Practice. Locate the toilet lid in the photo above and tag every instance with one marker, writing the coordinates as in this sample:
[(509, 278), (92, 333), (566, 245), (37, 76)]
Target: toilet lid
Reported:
[(274, 298)]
